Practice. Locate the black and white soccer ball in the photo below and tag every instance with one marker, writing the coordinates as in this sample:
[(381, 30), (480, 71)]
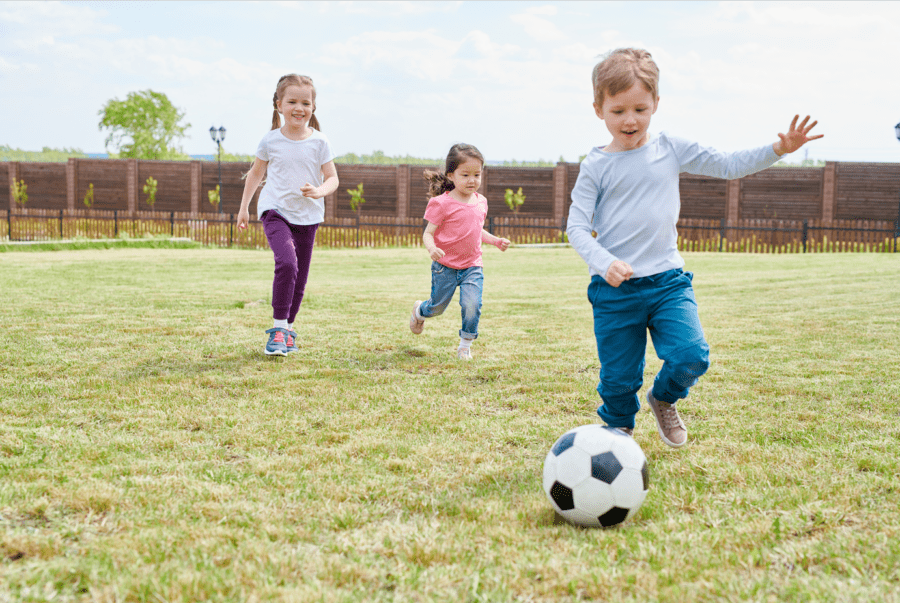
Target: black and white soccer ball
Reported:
[(596, 476)]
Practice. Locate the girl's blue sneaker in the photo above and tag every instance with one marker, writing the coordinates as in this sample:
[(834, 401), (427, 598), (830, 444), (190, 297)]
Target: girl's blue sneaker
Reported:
[(290, 342), (276, 345)]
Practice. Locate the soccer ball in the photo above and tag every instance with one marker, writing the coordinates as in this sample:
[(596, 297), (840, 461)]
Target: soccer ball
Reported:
[(596, 476)]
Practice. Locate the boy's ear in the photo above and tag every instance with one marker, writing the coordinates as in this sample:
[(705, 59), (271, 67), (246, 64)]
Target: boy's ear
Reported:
[(599, 110), (656, 105)]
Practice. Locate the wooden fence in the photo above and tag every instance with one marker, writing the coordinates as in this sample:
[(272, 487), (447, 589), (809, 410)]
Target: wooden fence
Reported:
[(719, 235), (837, 191)]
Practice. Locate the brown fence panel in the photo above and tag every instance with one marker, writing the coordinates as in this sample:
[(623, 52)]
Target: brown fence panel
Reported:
[(536, 184), (173, 192), (46, 184), (702, 196), (109, 177), (782, 193), (867, 191), (232, 184), (379, 189)]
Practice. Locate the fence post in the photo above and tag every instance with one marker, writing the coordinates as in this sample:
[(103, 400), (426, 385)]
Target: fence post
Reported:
[(805, 233), (357, 230), (896, 233), (231, 231), (172, 218), (60, 224), (490, 228), (721, 233), (9, 223)]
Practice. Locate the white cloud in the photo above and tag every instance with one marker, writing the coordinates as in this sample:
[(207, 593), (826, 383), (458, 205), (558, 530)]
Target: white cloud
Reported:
[(547, 9), (538, 28)]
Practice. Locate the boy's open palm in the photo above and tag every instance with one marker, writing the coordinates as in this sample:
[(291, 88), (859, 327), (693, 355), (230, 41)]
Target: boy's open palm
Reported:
[(796, 137)]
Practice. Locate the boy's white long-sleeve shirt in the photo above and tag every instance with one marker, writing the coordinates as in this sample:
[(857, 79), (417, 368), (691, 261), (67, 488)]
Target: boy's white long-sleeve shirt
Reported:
[(630, 199)]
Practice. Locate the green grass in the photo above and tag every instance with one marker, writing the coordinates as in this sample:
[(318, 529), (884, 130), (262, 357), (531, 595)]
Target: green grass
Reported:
[(150, 452)]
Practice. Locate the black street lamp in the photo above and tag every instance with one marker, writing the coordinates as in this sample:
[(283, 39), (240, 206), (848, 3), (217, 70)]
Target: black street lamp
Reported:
[(218, 136), (897, 225)]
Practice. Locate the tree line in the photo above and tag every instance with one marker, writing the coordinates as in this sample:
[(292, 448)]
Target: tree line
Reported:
[(146, 125)]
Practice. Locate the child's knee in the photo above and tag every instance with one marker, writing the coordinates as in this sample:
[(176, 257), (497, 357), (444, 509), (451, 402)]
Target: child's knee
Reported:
[(693, 362), (436, 310), (471, 307)]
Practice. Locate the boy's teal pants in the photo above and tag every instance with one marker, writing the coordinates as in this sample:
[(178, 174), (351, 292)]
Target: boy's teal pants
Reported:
[(664, 305)]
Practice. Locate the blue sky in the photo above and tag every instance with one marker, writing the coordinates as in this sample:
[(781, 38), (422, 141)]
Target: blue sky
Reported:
[(513, 78)]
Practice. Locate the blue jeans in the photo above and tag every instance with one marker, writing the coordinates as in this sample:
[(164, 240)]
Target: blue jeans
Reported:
[(664, 304), (444, 282)]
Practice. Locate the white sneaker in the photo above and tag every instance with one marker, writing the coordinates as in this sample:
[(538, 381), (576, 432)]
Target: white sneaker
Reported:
[(416, 325)]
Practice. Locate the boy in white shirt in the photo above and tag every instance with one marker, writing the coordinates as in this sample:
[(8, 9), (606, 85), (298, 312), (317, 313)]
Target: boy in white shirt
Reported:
[(622, 221)]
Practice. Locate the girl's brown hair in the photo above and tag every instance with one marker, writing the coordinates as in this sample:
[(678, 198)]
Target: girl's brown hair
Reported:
[(620, 69), (438, 182), (292, 79)]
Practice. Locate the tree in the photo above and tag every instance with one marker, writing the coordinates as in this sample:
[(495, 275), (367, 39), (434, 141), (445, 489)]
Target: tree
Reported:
[(143, 126)]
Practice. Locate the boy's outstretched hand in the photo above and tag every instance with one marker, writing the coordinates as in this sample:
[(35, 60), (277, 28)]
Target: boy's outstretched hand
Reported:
[(796, 137)]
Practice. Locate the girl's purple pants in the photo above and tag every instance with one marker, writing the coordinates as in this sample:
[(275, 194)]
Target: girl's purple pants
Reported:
[(292, 245)]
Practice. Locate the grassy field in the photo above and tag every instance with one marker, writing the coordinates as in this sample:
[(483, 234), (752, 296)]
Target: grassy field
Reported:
[(150, 452)]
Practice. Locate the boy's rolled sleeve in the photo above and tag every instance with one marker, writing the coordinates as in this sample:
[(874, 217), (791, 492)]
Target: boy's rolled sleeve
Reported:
[(579, 227)]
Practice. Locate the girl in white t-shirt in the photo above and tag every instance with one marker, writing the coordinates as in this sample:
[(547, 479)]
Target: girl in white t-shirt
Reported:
[(453, 237), (297, 161)]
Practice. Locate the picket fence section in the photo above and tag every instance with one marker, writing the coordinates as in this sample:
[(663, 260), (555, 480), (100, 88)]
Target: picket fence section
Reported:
[(216, 229)]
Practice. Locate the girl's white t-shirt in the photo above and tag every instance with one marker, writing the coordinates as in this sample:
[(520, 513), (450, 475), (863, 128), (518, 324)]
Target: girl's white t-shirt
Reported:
[(291, 164)]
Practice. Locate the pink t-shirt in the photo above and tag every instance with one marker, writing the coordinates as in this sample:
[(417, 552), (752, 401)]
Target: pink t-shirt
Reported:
[(458, 230)]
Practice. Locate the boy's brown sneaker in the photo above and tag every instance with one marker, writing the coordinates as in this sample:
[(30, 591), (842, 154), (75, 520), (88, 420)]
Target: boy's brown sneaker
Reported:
[(671, 429), (416, 325)]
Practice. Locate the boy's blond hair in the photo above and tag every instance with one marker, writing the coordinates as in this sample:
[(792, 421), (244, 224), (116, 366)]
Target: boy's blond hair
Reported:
[(620, 69)]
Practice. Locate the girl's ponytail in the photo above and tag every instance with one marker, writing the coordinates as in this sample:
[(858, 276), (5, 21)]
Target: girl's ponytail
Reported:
[(438, 183), (276, 119), (314, 123)]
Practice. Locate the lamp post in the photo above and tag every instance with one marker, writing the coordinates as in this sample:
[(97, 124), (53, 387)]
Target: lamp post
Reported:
[(897, 225), (218, 136)]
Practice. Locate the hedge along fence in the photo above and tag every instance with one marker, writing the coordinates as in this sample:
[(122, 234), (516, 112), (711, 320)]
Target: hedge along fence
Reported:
[(753, 236)]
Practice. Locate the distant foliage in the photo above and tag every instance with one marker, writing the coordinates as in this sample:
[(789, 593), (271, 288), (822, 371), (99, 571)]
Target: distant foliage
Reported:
[(89, 196), (234, 158), (215, 196), (144, 126), (538, 163), (20, 191), (802, 164), (514, 200), (49, 155), (379, 158), (356, 197), (150, 190)]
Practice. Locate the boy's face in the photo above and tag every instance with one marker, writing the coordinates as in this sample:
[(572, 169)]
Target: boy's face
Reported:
[(627, 117)]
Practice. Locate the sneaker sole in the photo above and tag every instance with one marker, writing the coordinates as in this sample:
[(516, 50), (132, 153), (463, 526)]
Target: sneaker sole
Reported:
[(274, 353)]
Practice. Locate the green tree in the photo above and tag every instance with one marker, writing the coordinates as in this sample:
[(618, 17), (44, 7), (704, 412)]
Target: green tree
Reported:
[(143, 126)]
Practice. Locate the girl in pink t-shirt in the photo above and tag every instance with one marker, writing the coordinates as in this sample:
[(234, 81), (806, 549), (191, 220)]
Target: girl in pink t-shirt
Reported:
[(453, 237)]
